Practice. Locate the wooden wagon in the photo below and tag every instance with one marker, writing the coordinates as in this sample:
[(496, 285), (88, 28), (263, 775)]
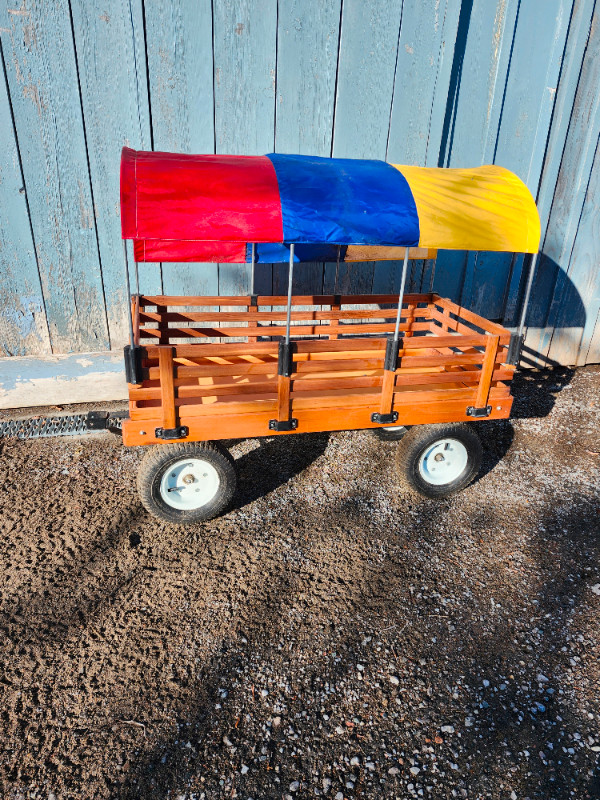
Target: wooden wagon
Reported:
[(416, 367)]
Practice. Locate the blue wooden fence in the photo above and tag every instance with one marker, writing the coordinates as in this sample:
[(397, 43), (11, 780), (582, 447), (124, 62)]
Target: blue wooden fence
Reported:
[(430, 82)]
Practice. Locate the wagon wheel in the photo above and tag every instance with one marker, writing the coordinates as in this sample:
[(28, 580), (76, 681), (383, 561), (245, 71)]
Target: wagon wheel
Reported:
[(187, 481), (439, 460), (390, 433)]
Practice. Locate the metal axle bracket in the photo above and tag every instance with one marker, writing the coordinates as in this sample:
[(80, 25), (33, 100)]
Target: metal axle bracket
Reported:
[(283, 425), (384, 419), (172, 433), (479, 412)]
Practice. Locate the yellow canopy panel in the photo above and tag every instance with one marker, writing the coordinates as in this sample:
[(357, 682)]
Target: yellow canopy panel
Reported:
[(486, 208)]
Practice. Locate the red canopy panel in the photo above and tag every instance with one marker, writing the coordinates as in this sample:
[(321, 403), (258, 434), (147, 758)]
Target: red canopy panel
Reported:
[(204, 198), (147, 250)]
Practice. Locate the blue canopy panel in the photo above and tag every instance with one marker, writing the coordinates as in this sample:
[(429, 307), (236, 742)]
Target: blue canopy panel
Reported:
[(344, 201), (276, 253)]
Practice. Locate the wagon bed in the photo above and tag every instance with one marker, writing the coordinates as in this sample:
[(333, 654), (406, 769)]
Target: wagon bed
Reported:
[(209, 365)]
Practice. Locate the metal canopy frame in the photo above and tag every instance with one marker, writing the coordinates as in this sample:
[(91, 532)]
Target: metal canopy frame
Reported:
[(514, 355)]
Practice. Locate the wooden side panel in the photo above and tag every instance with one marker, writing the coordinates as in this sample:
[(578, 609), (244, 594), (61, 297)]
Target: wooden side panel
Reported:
[(180, 71), (109, 40), (42, 77), (23, 325)]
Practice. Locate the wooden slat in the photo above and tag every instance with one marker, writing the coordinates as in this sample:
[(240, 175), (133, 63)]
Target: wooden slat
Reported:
[(167, 388), (481, 322), (283, 398), (266, 316), (168, 334), (487, 368)]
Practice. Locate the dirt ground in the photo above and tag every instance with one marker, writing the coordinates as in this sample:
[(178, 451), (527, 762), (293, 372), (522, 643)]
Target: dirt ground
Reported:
[(332, 635)]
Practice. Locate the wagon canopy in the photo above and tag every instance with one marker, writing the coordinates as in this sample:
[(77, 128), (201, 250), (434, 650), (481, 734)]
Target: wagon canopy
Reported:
[(214, 207)]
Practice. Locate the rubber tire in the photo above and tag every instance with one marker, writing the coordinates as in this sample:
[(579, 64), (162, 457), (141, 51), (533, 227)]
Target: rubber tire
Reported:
[(390, 436), (160, 458), (418, 439)]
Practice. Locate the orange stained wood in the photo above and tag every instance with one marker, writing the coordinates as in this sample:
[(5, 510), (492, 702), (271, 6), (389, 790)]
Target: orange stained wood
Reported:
[(450, 359), (253, 424), (167, 387)]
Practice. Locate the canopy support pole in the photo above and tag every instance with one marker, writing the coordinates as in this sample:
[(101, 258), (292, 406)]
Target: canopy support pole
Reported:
[(128, 285), (289, 302), (133, 352), (401, 295), (253, 270), (516, 340), (285, 364), (386, 415)]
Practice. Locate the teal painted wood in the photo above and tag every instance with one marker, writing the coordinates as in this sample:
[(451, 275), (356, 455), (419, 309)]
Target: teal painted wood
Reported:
[(572, 335), (245, 64), (484, 37), (572, 227), (180, 70), (365, 89), (427, 37), (307, 53), (109, 41), (366, 74), (42, 79), (571, 147), (522, 130), (447, 68), (23, 324)]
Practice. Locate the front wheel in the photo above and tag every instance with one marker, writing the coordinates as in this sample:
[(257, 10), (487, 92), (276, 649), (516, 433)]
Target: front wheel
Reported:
[(439, 460), (187, 482)]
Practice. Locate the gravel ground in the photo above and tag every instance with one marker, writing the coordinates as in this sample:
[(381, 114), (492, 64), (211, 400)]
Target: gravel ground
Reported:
[(332, 636)]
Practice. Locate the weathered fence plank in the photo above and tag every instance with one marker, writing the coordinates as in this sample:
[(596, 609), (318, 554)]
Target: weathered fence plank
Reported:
[(180, 70), (23, 324), (245, 63), (42, 78), (109, 41), (455, 82)]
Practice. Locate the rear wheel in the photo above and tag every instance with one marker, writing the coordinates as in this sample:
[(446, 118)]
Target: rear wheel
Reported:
[(187, 482), (439, 460), (390, 433)]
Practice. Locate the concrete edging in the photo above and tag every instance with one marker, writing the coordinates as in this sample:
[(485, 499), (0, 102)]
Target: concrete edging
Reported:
[(62, 379)]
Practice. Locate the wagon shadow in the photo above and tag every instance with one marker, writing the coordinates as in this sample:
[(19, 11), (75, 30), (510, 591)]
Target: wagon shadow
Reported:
[(274, 462), (535, 389)]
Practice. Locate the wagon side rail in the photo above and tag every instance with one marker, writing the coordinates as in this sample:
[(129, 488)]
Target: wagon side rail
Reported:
[(223, 389)]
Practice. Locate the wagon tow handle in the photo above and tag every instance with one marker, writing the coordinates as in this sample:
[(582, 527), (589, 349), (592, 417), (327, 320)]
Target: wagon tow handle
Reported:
[(386, 414), (515, 347)]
